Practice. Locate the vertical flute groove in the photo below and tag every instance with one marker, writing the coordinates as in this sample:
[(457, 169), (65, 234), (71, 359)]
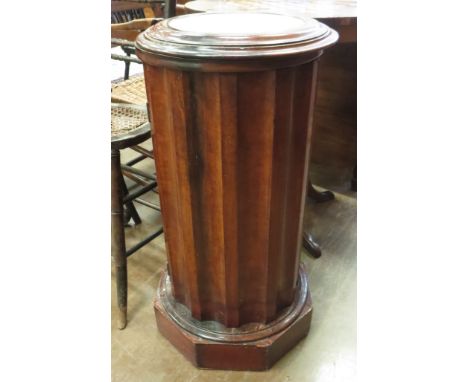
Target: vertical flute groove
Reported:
[(282, 299), (160, 100), (223, 126), (270, 263)]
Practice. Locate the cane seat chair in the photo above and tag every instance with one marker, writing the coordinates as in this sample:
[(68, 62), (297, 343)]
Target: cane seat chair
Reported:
[(131, 92), (129, 127)]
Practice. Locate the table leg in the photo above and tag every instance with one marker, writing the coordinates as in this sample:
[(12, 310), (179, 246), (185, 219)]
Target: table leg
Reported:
[(317, 196), (307, 238), (354, 179)]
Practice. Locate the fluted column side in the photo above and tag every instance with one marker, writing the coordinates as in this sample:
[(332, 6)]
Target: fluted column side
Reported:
[(231, 155)]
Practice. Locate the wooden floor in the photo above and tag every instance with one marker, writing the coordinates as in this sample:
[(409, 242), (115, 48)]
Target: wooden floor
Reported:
[(328, 353)]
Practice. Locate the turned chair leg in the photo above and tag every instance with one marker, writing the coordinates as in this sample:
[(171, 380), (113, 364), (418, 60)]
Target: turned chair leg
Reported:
[(127, 69), (130, 206), (118, 238)]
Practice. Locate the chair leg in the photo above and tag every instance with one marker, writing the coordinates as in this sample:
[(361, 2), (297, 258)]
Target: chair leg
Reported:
[(169, 8), (127, 69), (130, 206), (118, 238)]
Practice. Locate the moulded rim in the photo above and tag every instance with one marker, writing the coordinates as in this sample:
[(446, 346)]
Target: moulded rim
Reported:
[(193, 35)]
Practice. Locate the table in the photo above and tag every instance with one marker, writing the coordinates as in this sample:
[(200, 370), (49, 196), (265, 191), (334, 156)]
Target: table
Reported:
[(335, 121)]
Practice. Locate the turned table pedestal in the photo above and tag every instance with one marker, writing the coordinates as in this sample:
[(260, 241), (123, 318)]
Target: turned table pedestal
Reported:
[(231, 110)]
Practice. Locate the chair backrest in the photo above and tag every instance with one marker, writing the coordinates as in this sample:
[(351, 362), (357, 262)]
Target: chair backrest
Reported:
[(128, 10), (129, 31), (130, 17)]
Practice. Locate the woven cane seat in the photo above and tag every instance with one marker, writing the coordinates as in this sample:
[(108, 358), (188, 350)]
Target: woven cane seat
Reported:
[(129, 125), (130, 91)]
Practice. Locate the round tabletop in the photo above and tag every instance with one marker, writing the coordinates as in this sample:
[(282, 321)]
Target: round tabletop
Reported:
[(317, 9), (340, 15)]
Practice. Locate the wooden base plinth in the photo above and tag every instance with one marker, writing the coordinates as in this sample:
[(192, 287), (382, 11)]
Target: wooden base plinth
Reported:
[(210, 345)]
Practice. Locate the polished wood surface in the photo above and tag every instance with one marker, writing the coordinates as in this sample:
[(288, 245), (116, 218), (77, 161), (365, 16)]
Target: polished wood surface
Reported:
[(260, 353), (232, 188)]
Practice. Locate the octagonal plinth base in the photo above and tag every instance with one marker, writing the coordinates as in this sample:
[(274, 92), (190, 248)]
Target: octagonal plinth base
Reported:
[(253, 347)]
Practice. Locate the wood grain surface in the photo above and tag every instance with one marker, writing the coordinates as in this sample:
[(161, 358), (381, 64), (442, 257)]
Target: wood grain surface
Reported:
[(231, 152)]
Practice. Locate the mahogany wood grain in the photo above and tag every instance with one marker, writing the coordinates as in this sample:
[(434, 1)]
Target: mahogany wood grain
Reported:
[(231, 159), (258, 353)]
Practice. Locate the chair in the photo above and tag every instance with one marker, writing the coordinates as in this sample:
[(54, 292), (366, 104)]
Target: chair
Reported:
[(129, 127), (132, 91), (129, 18)]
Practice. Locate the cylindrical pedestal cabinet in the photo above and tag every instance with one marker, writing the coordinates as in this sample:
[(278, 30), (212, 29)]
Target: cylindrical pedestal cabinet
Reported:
[(231, 99)]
